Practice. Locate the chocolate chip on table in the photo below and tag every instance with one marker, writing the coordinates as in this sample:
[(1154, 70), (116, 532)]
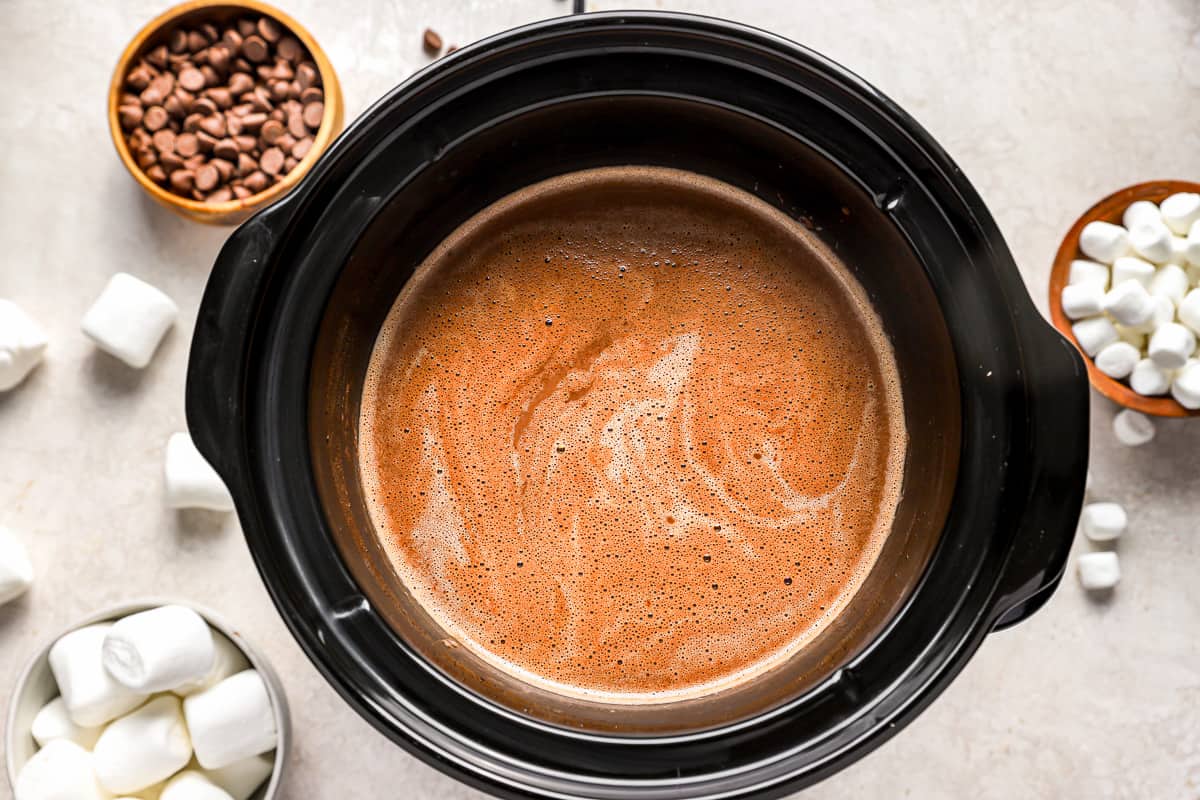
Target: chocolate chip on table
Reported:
[(432, 41)]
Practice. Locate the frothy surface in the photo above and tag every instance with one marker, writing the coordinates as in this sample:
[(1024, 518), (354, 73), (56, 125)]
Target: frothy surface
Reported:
[(632, 434)]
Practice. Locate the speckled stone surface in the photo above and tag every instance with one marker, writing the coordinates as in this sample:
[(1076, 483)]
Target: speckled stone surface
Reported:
[(1045, 105)]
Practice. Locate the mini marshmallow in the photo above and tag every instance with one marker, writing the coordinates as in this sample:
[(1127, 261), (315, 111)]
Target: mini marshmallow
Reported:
[(241, 778), (1091, 272), (1164, 312), (1189, 310), (1099, 570), (144, 747), (1171, 281), (1117, 360), (191, 481), (1181, 211), (1094, 334), (1149, 379), (1132, 428), (129, 319), (16, 570), (1132, 268), (159, 649), (193, 785), (1129, 303), (228, 660), (1179, 251), (53, 722), (1103, 522), (1172, 345), (231, 721), (91, 695), (1151, 240), (22, 344), (1186, 386), (1140, 210), (1192, 247), (1104, 242), (62, 770), (1081, 300)]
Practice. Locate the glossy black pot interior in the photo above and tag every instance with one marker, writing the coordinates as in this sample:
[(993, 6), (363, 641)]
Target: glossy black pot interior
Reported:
[(996, 403)]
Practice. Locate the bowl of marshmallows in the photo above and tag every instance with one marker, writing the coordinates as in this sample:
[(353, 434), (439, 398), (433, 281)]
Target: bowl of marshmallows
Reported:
[(1125, 288), (148, 701)]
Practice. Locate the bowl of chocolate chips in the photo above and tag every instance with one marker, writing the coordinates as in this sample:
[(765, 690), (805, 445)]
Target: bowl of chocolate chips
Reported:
[(218, 109)]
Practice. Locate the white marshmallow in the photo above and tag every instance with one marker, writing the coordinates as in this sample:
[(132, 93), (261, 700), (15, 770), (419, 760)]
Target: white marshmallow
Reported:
[(192, 785), (231, 721), (1129, 303), (144, 747), (1103, 522), (22, 343), (1140, 210), (1179, 251), (129, 319), (1133, 336), (1189, 310), (1132, 268), (1091, 272), (1133, 428), (16, 570), (1192, 248), (1099, 570), (1186, 386), (1081, 300), (53, 722), (1164, 312), (228, 659), (159, 649), (1180, 211), (1172, 345), (1117, 360), (1171, 281), (1151, 240), (1103, 241), (1094, 334), (241, 778), (62, 770), (92, 696), (190, 480), (1149, 379)]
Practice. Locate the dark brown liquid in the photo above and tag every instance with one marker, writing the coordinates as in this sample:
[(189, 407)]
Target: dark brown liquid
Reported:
[(632, 434)]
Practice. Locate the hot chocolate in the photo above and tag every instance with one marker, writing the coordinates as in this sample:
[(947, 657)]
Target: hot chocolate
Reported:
[(632, 434)]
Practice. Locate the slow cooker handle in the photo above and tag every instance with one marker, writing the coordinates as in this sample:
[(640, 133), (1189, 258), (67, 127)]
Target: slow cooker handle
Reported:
[(1058, 399)]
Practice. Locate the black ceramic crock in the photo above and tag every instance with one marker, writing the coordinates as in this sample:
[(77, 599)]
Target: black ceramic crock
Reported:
[(996, 402)]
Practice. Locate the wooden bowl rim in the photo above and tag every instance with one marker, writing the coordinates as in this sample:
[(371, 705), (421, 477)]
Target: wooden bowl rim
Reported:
[(216, 211), (1110, 209)]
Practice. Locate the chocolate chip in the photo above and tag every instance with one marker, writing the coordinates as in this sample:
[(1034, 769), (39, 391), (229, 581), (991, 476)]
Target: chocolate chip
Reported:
[(278, 115), (172, 161), (192, 80), (254, 121), (155, 118), (205, 106), (223, 166), (286, 142), (279, 90), (196, 41), (222, 195), (214, 125), (233, 38), (240, 83), (431, 41), (211, 34), (306, 75), (296, 126), (290, 48), (242, 65), (241, 192), (272, 160), (158, 56), (187, 145), (130, 116), (151, 95), (255, 49), (271, 131), (221, 96), (211, 78), (182, 180), (219, 58), (312, 95), (207, 178), (246, 144), (207, 141), (157, 174), (289, 164), (245, 164), (301, 148), (146, 157), (246, 26), (139, 78), (256, 181), (178, 40), (191, 123), (226, 149), (233, 123), (164, 140), (313, 114)]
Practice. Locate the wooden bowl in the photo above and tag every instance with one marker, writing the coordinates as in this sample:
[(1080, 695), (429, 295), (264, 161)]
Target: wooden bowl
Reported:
[(195, 12), (1110, 209)]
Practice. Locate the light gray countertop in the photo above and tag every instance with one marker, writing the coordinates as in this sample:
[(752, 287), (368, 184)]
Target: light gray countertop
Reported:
[(1045, 105)]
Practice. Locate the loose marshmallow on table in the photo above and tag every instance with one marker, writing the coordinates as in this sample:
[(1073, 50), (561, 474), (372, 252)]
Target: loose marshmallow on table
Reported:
[(1189, 310), (1171, 345), (53, 722), (1129, 303), (22, 344), (1186, 386), (241, 778), (129, 319), (1103, 522), (193, 785), (191, 481), (1133, 428), (1081, 300), (62, 770), (1181, 211), (1149, 379), (1171, 281), (1151, 239), (1132, 268), (1104, 242), (1099, 570), (231, 721), (92, 696), (1094, 334), (228, 660), (1117, 360), (1088, 272), (16, 570), (144, 747), (159, 649)]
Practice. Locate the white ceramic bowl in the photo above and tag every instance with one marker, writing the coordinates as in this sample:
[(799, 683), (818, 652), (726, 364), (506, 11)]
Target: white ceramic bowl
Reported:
[(35, 687)]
